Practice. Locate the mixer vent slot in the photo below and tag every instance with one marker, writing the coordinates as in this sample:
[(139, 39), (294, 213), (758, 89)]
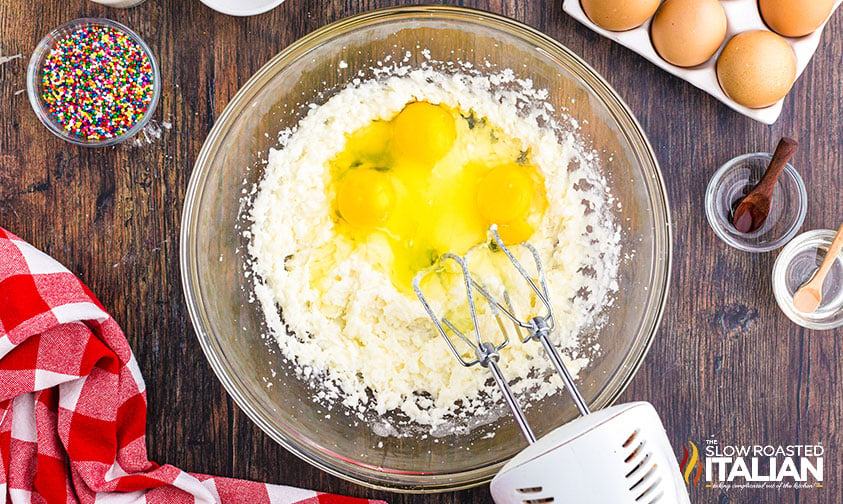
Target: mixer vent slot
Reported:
[(657, 498), (637, 451), (644, 478), (649, 492), (645, 484), (536, 489), (636, 461), (630, 439), (544, 500)]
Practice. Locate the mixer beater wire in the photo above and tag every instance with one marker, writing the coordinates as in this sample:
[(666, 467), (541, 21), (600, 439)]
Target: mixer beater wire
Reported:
[(486, 352)]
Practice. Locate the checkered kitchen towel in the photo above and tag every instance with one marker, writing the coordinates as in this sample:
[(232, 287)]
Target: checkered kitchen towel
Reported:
[(73, 406)]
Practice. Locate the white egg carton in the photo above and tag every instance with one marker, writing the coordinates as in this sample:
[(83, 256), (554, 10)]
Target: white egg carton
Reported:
[(742, 15)]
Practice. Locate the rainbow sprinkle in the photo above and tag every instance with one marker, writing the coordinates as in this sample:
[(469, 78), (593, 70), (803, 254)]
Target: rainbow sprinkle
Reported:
[(97, 82)]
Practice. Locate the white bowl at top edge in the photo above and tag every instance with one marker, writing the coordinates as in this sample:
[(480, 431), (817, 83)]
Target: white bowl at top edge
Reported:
[(242, 7)]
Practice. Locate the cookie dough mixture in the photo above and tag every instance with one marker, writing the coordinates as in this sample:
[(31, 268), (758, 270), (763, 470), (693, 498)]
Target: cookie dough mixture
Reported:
[(375, 185)]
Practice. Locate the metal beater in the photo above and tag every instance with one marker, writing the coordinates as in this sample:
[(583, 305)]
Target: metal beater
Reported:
[(619, 455), (487, 354)]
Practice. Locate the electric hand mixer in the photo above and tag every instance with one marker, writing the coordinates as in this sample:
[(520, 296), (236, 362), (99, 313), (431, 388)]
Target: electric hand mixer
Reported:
[(618, 455)]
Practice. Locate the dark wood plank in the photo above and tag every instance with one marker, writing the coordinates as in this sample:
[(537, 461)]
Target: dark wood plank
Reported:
[(726, 364)]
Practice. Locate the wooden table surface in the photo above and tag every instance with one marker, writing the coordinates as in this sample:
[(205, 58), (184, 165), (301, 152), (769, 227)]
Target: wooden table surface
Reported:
[(726, 364)]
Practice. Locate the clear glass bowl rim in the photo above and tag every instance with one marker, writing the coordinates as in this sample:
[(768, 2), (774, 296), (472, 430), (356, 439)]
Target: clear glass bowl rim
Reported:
[(33, 86), (628, 126)]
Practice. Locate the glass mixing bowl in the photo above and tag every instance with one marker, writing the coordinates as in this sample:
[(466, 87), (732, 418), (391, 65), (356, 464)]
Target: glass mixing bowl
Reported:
[(213, 256)]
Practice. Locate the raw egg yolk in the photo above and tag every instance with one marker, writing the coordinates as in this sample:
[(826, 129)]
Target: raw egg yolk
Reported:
[(504, 194), (427, 181), (423, 132), (365, 198), (515, 232)]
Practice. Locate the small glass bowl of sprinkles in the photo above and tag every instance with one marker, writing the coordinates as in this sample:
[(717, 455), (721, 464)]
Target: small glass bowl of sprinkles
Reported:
[(93, 82)]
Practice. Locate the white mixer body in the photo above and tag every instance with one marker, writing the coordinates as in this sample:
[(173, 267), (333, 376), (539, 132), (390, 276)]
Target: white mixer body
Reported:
[(619, 455)]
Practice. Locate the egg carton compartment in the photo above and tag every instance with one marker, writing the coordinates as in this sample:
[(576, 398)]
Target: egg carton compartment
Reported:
[(742, 16)]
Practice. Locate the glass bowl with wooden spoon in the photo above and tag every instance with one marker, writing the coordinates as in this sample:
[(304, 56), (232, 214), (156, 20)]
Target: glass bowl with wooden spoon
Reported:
[(734, 183), (808, 279)]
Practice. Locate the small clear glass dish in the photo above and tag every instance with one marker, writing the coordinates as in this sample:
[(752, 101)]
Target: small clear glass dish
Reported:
[(796, 264), (733, 181), (34, 77)]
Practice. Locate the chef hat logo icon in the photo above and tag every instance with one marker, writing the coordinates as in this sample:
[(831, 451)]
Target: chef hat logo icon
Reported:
[(690, 461)]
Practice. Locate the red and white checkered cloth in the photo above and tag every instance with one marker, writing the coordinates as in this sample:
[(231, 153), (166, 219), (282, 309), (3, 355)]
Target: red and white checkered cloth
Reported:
[(73, 402)]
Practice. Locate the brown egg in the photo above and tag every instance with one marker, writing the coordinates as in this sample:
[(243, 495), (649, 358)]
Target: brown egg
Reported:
[(795, 18), (688, 32), (756, 68), (619, 15)]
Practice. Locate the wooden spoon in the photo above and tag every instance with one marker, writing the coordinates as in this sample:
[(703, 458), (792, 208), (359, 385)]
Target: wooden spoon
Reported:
[(754, 208), (808, 297)]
